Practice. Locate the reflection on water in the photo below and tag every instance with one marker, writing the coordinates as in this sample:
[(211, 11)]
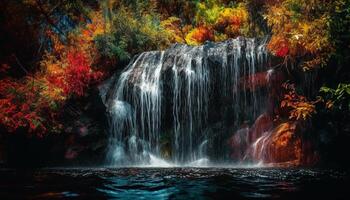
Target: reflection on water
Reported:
[(173, 183)]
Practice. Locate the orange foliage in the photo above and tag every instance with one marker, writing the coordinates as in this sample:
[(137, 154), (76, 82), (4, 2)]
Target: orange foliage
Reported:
[(299, 107), (279, 46), (199, 35), (231, 21), (296, 33)]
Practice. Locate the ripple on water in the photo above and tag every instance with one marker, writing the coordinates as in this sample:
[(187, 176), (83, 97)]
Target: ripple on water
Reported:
[(174, 183)]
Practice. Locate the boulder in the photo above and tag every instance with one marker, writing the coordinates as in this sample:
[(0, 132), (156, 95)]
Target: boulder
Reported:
[(239, 143), (284, 146), (261, 125)]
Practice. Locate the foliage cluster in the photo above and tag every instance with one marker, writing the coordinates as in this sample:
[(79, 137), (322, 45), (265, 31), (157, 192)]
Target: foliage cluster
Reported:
[(338, 99), (302, 30), (213, 21), (34, 102), (131, 32), (299, 108)]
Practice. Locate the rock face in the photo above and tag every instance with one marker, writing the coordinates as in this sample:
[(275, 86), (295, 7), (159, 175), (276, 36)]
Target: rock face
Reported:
[(173, 99), (83, 141), (183, 104), (278, 145), (261, 125), (85, 138)]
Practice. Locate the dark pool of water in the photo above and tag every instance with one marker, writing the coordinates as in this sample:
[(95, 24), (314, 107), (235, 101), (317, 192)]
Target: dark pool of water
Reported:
[(174, 183)]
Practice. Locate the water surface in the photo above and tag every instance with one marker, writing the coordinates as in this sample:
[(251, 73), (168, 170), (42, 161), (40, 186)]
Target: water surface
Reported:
[(174, 183)]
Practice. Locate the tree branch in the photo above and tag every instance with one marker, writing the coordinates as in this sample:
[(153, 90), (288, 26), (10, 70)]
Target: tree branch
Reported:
[(48, 18)]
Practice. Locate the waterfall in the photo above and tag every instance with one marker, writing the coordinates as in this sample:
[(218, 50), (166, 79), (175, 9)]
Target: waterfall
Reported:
[(165, 104)]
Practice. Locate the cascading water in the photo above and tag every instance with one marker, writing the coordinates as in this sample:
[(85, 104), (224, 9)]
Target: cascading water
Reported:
[(167, 104)]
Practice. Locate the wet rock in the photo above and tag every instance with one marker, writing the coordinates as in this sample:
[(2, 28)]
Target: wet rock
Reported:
[(284, 145), (261, 125), (255, 81), (71, 154), (239, 143), (84, 140), (188, 90)]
